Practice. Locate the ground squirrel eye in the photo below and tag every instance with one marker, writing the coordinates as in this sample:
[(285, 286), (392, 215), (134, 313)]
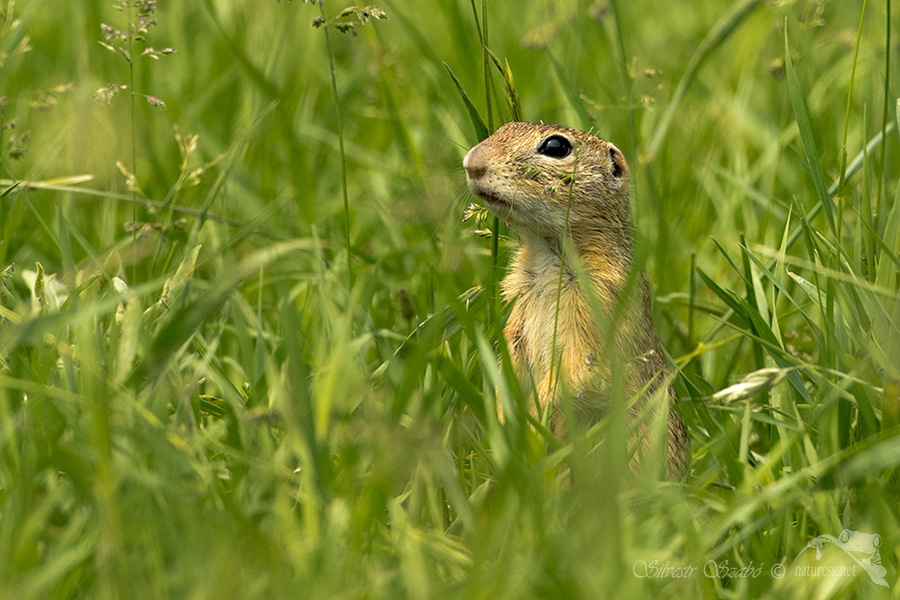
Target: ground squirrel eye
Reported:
[(614, 159), (555, 146)]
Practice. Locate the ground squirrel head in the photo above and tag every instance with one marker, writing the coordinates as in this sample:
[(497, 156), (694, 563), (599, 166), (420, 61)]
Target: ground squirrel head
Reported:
[(526, 173)]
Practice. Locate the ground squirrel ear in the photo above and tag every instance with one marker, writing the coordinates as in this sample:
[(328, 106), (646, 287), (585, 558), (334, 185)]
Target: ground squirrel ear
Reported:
[(615, 160)]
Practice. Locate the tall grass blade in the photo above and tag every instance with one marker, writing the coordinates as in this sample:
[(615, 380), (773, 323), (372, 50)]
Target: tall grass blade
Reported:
[(481, 130), (571, 93), (806, 136), (727, 25), (512, 95), (886, 271)]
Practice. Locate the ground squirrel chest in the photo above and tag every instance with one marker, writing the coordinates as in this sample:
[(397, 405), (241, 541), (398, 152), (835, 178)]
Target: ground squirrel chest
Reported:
[(565, 192)]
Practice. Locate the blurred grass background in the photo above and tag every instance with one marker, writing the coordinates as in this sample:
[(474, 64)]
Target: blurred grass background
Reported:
[(195, 402)]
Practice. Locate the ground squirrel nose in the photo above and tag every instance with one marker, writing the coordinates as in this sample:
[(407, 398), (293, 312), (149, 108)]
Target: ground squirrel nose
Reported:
[(475, 162)]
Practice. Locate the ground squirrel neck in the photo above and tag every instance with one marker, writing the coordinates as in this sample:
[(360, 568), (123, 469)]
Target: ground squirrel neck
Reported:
[(555, 185)]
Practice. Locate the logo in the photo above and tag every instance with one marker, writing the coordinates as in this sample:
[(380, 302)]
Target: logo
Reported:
[(861, 547)]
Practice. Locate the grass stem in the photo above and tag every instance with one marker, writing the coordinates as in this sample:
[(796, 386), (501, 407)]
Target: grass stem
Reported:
[(495, 230), (340, 128), (840, 193)]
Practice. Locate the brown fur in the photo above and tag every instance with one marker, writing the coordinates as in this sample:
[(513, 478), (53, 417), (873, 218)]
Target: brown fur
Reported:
[(531, 192)]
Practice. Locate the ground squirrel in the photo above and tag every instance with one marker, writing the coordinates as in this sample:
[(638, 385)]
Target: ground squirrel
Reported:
[(526, 174)]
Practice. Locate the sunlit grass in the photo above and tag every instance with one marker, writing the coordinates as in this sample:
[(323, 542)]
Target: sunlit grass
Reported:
[(198, 400)]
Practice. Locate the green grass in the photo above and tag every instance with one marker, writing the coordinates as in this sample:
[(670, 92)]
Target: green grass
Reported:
[(194, 403)]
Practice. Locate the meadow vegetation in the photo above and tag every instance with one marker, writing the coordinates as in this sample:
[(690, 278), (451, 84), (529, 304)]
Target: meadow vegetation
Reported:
[(248, 345)]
